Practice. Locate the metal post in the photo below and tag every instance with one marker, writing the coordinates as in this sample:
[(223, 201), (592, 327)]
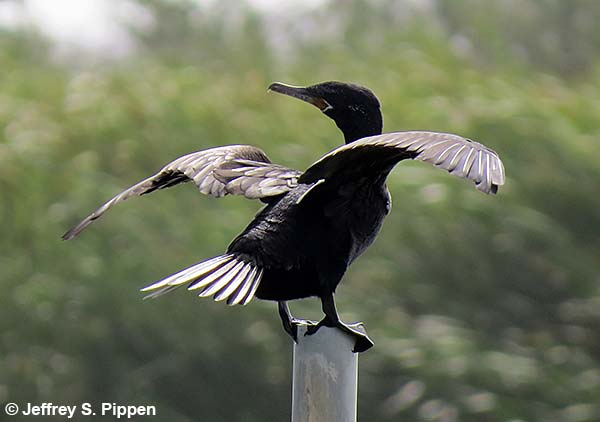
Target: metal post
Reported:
[(325, 377)]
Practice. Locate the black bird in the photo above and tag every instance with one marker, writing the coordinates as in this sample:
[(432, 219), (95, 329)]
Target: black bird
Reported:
[(317, 222)]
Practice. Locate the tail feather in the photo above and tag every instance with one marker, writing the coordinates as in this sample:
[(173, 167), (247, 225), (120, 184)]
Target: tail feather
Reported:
[(228, 291), (223, 277), (240, 293), (255, 282), (190, 273), (223, 282), (159, 292), (208, 279)]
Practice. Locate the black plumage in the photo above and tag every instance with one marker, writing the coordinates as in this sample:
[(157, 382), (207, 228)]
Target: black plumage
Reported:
[(315, 223)]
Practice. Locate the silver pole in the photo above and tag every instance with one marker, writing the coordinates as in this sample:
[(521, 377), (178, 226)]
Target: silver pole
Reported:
[(325, 377)]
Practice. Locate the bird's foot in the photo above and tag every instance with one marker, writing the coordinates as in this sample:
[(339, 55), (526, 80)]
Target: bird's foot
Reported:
[(356, 330), (291, 326)]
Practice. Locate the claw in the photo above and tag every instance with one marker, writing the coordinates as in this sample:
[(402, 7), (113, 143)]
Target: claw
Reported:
[(292, 329), (290, 324), (362, 342)]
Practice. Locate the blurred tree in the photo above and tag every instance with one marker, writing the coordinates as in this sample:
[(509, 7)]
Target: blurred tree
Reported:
[(549, 34), (483, 309)]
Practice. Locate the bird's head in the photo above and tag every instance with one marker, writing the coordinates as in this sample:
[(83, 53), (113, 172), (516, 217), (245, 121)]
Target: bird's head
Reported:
[(353, 108)]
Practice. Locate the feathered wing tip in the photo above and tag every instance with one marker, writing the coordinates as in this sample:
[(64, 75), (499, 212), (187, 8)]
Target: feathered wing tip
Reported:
[(470, 160), (223, 277), (233, 169), (460, 156)]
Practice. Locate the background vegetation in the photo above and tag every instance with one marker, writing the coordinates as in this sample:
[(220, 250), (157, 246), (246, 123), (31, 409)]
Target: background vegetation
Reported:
[(482, 308)]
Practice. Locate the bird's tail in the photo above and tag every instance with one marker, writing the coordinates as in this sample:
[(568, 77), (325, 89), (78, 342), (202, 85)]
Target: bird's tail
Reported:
[(223, 277)]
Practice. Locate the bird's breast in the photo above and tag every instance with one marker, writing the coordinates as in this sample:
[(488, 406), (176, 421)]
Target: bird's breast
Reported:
[(363, 206)]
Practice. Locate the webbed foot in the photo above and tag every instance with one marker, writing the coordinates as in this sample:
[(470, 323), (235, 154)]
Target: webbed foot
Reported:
[(290, 324), (357, 330)]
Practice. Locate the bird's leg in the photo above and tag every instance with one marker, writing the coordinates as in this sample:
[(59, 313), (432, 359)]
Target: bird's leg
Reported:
[(290, 324), (288, 320), (332, 319)]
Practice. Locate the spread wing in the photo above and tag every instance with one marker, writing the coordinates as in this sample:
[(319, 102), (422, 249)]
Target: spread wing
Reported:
[(234, 169), (459, 156)]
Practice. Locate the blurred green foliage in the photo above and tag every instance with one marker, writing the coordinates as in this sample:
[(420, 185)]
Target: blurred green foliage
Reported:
[(482, 308)]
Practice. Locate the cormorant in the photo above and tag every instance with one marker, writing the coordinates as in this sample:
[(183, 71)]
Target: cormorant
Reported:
[(317, 222)]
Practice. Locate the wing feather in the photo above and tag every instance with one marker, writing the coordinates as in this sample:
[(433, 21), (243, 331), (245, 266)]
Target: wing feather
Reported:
[(459, 156), (233, 169)]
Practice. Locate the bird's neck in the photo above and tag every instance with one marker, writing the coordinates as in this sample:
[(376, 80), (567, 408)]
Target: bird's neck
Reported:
[(355, 130)]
